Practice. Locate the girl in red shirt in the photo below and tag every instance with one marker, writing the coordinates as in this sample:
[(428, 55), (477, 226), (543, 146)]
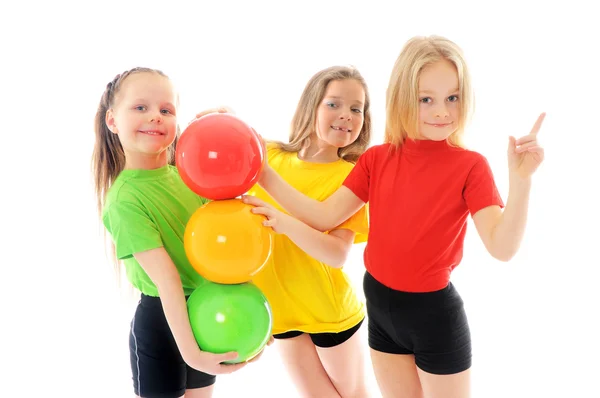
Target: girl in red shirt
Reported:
[(421, 185)]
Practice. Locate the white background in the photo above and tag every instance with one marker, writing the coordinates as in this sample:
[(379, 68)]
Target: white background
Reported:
[(65, 325)]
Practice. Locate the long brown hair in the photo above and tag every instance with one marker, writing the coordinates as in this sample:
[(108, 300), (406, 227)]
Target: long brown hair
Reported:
[(303, 122), (108, 158)]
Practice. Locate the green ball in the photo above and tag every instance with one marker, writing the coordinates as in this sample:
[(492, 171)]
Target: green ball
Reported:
[(228, 318)]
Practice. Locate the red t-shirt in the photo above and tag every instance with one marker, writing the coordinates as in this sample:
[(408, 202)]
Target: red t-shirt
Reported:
[(420, 196)]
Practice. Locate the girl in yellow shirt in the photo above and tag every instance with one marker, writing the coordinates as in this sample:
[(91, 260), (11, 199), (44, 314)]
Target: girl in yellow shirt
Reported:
[(316, 312)]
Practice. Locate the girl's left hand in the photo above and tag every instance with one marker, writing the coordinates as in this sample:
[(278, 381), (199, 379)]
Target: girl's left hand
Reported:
[(525, 154)]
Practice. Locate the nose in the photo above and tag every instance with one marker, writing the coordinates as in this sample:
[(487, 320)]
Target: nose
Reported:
[(346, 115), (441, 111), (156, 118)]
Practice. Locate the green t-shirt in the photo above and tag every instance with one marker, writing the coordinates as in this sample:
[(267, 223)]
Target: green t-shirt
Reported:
[(147, 209)]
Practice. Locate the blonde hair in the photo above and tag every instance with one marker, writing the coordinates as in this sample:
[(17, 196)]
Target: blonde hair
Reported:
[(402, 97), (303, 122)]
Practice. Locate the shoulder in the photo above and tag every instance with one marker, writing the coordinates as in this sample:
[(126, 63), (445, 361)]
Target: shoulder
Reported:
[(474, 165), (380, 149), (274, 150), (121, 191), (473, 158), (279, 158), (466, 157), (378, 153)]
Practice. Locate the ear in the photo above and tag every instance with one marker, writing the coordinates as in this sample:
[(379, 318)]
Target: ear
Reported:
[(110, 121)]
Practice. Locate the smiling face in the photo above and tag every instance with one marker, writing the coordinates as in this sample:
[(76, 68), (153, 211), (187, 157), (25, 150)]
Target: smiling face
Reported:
[(439, 102), (340, 114), (144, 117)]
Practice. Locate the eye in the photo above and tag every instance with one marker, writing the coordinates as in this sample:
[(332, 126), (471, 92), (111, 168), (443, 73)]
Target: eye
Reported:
[(425, 100), (166, 111), (356, 110), (330, 105), (140, 108), (453, 98)]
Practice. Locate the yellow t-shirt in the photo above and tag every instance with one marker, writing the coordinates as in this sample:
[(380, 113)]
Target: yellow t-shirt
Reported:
[(306, 294)]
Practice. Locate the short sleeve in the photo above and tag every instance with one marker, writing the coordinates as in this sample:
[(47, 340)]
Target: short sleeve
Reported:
[(358, 223), (480, 189), (358, 179), (131, 229)]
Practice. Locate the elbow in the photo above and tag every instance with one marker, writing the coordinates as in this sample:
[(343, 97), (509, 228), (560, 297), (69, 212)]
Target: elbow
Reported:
[(504, 258), (323, 228), (338, 258), (337, 263), (503, 255)]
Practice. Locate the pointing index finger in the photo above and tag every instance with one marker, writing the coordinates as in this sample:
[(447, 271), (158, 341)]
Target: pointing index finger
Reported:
[(538, 124)]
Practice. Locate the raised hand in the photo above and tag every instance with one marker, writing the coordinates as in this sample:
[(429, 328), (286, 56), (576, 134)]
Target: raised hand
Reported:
[(526, 154)]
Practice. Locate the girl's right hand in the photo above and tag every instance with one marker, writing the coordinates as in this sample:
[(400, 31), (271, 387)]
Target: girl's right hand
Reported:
[(212, 363)]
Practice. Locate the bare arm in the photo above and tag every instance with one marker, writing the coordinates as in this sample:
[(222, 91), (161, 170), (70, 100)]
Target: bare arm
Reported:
[(322, 216), (331, 249), (160, 268), (502, 231)]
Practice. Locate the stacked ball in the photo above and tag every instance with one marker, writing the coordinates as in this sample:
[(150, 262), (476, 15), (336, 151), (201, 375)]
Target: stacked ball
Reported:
[(220, 158)]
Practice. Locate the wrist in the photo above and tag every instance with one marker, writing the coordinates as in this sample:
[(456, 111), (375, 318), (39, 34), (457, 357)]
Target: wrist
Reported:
[(286, 223), (264, 175), (191, 355), (516, 181)]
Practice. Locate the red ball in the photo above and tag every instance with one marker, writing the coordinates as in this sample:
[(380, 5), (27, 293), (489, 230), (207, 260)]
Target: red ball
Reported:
[(219, 156)]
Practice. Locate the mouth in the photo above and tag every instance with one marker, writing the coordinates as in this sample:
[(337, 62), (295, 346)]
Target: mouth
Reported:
[(439, 125), (151, 132), (340, 128)]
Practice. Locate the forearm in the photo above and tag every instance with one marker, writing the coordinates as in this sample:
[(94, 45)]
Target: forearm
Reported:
[(310, 211), (326, 248), (508, 232), (175, 309)]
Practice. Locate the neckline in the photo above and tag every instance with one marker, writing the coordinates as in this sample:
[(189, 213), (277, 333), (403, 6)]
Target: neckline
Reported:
[(425, 146), (146, 173)]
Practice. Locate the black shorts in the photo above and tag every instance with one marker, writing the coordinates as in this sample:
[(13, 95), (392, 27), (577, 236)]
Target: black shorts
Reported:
[(433, 326), (157, 366), (323, 340)]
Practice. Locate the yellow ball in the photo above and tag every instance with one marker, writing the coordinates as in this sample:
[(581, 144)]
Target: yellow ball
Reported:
[(226, 243)]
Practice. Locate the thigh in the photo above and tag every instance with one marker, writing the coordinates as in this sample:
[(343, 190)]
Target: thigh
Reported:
[(199, 384), (344, 362), (304, 366), (441, 336), (396, 375), (205, 392), (457, 385), (382, 322), (157, 366)]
